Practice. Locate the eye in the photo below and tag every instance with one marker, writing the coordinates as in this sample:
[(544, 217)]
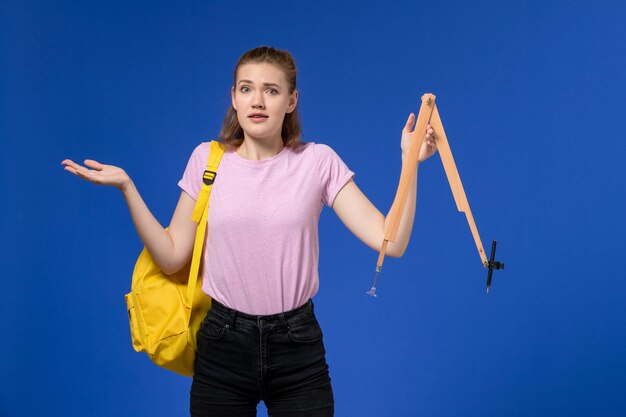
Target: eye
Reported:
[(273, 91), (244, 89)]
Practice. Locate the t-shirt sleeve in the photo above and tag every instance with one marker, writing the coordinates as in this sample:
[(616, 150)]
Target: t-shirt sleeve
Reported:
[(333, 171), (191, 182)]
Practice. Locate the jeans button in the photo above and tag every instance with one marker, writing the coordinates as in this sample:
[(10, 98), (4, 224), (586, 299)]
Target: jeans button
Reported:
[(261, 323)]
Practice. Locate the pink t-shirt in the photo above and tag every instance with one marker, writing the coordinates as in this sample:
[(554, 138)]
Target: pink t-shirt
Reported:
[(262, 248)]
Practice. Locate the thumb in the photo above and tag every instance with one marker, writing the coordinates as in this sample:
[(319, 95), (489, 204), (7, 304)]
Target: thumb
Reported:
[(408, 128), (94, 164)]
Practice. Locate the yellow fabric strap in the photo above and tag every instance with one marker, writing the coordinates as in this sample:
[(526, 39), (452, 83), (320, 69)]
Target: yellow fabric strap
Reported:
[(200, 215), (215, 155)]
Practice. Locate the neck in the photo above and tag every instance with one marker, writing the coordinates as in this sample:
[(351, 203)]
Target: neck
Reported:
[(257, 150)]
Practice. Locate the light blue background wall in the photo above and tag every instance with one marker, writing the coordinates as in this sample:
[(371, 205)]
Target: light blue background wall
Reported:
[(532, 98)]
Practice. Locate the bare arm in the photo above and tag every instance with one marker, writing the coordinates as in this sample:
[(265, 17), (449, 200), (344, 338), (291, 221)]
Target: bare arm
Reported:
[(365, 221), (170, 248)]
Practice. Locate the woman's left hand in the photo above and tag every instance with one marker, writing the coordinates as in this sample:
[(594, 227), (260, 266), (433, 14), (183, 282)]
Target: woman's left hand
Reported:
[(429, 146)]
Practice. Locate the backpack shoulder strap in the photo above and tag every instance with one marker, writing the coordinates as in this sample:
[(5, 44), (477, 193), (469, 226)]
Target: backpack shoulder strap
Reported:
[(215, 156), (200, 214)]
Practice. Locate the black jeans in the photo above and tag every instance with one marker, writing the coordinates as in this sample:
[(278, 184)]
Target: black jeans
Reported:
[(243, 359)]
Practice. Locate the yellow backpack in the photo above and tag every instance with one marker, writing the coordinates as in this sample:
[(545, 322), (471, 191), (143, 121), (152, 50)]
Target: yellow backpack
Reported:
[(163, 322)]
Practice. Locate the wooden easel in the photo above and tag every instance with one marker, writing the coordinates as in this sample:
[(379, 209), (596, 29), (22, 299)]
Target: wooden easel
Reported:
[(428, 113)]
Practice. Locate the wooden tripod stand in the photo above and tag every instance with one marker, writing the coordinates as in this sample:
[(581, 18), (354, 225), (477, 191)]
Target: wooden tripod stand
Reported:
[(428, 113)]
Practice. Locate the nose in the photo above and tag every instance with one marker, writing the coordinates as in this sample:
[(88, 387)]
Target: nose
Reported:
[(257, 101)]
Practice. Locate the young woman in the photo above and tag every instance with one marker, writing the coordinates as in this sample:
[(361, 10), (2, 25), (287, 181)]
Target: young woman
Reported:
[(261, 340)]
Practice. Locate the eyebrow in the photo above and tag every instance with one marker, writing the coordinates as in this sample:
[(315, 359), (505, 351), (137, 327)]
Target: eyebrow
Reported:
[(264, 84)]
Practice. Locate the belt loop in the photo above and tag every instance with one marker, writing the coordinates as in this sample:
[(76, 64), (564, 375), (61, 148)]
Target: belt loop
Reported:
[(231, 316), (283, 320)]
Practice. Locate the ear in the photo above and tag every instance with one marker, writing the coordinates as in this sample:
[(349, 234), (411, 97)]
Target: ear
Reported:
[(293, 101), (232, 97)]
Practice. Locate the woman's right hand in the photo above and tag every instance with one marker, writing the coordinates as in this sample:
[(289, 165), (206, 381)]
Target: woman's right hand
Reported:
[(171, 248), (100, 174)]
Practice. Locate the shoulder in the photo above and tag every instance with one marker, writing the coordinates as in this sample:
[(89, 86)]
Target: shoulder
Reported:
[(319, 151), (202, 149), (201, 152), (326, 156), (198, 158)]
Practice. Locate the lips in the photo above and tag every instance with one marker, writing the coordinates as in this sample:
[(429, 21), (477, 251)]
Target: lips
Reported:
[(258, 116)]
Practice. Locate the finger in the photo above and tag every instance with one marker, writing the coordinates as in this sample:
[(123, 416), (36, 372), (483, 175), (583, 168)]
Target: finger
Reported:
[(70, 169), (69, 162), (94, 164), (74, 168), (80, 172), (408, 128)]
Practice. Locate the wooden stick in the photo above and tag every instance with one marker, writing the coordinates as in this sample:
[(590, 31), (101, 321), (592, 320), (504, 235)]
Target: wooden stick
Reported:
[(409, 169), (455, 180)]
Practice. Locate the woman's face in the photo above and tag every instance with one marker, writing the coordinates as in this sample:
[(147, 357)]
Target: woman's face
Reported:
[(262, 90)]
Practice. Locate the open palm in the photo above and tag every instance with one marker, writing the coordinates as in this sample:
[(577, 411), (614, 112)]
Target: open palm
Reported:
[(99, 173)]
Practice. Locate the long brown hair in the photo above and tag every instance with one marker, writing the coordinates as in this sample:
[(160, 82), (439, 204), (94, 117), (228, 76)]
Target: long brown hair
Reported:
[(231, 132)]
